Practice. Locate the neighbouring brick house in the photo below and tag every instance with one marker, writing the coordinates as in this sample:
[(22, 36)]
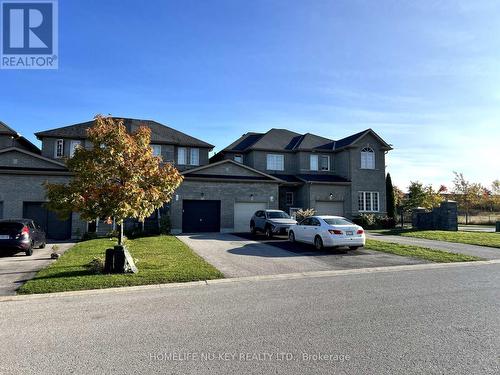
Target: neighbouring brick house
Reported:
[(277, 169)]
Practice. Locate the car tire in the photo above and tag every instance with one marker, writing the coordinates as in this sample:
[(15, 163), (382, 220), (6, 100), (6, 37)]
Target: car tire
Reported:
[(42, 245), (252, 229), (291, 236), (269, 232), (353, 247), (29, 251), (318, 243)]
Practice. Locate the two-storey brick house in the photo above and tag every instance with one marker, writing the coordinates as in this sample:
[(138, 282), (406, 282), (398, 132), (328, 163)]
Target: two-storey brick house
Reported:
[(344, 177)]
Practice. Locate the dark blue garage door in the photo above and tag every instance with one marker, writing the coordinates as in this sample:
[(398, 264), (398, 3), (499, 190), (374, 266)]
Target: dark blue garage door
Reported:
[(53, 227), (200, 216)]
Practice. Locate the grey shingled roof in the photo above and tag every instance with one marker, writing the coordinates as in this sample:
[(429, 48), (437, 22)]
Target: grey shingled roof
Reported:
[(159, 133), (282, 139), (4, 129)]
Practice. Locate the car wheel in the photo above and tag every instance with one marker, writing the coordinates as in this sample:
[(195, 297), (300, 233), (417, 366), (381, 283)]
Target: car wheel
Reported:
[(291, 236), (29, 252), (42, 245), (269, 232), (353, 247), (318, 243), (252, 229)]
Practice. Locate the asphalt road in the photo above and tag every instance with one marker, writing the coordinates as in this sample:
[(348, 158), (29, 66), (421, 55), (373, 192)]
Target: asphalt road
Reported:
[(419, 321)]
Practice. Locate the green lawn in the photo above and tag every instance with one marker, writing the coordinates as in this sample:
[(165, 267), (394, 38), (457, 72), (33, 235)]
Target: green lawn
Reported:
[(418, 252), (471, 238), (160, 259)]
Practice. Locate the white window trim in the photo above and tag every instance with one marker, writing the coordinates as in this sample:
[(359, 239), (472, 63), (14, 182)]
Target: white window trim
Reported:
[(238, 156), (197, 152), (184, 153), (364, 158), (311, 158), (372, 200), (56, 154), (72, 147), (276, 156)]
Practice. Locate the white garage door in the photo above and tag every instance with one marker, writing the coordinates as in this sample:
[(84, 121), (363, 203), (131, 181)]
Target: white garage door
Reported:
[(330, 208), (243, 212)]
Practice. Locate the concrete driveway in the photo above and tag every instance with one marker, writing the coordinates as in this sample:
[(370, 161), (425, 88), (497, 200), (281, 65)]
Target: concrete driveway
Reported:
[(16, 270), (246, 255)]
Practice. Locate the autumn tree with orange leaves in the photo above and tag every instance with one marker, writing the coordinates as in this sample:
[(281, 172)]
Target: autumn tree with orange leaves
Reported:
[(117, 178)]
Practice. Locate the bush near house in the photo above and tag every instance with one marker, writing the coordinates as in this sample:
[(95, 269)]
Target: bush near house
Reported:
[(371, 221)]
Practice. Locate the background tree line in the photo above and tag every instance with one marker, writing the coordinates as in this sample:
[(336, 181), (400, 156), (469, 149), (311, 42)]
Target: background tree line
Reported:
[(468, 195)]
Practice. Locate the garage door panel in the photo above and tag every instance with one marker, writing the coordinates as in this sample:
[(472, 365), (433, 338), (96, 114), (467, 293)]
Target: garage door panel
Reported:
[(200, 216), (243, 212), (330, 208), (53, 227)]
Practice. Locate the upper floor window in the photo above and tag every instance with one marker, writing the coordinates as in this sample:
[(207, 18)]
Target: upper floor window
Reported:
[(275, 162), (368, 201), (324, 163), (156, 150), (238, 158), (181, 156), (194, 156), (313, 163), (72, 147), (367, 158), (319, 163), (59, 149)]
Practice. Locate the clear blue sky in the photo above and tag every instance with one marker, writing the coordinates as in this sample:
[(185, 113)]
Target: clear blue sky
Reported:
[(425, 75)]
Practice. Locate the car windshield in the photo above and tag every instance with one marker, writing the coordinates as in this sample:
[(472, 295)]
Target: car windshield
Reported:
[(277, 215), (337, 221)]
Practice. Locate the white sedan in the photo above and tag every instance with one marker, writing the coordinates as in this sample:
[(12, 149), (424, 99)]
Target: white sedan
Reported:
[(328, 231)]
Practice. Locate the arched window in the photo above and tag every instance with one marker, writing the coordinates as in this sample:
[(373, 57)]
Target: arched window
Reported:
[(367, 158)]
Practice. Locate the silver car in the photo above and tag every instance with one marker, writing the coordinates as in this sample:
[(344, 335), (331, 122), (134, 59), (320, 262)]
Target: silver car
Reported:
[(271, 222)]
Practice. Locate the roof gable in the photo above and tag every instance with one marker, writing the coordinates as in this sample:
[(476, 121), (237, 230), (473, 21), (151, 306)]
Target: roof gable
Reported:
[(159, 133), (229, 169), (16, 158)]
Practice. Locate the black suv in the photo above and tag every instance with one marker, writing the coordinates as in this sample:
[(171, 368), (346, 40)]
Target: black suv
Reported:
[(18, 235)]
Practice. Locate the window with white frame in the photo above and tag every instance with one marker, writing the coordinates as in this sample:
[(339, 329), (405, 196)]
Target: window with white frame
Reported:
[(72, 147), (313, 162), (156, 150), (367, 158), (238, 158), (59, 149), (368, 201), (275, 162), (181, 156), (324, 163), (289, 198), (194, 156)]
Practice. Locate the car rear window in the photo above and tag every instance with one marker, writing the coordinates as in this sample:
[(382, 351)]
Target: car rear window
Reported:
[(337, 221), (10, 227), (278, 215)]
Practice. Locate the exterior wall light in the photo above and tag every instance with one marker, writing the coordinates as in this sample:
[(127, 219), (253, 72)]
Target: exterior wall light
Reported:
[(251, 197), (271, 198), (176, 197), (202, 195), (331, 196)]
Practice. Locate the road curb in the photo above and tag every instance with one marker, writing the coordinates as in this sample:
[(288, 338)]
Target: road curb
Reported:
[(249, 279)]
